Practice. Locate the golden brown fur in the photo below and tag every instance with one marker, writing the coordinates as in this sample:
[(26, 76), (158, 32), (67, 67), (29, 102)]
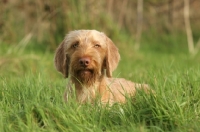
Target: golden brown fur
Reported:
[(88, 58)]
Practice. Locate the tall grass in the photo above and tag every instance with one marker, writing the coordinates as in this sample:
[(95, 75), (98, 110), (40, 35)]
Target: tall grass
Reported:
[(31, 90), (31, 94)]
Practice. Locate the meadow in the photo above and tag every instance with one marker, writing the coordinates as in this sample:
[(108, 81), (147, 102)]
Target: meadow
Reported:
[(31, 91)]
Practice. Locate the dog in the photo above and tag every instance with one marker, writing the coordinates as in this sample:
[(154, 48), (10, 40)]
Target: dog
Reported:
[(88, 58)]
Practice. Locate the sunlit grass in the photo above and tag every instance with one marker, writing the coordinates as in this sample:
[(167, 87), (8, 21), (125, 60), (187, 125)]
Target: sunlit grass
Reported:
[(31, 95)]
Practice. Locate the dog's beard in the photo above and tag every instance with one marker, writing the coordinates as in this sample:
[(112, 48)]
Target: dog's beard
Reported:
[(85, 76)]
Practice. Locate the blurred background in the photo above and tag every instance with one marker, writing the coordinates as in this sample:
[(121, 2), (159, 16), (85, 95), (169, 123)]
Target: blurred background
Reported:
[(31, 29), (135, 22)]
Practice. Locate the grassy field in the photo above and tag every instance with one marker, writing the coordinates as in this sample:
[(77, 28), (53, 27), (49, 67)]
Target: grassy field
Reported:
[(31, 93)]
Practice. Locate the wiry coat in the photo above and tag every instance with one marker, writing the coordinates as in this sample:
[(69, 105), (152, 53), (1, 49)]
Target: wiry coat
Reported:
[(88, 58)]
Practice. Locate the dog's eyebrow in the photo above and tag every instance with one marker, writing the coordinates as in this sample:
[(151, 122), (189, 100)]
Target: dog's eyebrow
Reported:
[(96, 42)]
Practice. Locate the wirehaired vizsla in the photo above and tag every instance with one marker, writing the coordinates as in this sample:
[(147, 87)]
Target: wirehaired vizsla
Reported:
[(88, 58)]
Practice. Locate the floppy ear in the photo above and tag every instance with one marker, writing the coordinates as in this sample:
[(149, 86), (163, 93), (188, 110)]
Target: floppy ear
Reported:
[(112, 57), (61, 60)]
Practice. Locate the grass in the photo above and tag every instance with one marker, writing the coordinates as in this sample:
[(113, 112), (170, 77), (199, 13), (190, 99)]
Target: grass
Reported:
[(31, 94)]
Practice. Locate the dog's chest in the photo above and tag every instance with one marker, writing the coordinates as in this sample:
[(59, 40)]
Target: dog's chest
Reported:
[(87, 94)]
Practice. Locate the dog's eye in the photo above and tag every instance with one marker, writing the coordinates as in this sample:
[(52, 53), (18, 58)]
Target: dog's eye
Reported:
[(97, 46), (75, 45)]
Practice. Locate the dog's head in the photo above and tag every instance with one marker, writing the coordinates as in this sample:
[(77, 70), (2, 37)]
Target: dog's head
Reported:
[(85, 54)]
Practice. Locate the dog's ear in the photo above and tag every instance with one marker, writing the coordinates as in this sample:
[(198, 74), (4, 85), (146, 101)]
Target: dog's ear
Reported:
[(112, 57), (61, 60)]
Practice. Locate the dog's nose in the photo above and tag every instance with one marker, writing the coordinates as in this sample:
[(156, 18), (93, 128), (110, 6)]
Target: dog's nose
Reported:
[(84, 61)]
